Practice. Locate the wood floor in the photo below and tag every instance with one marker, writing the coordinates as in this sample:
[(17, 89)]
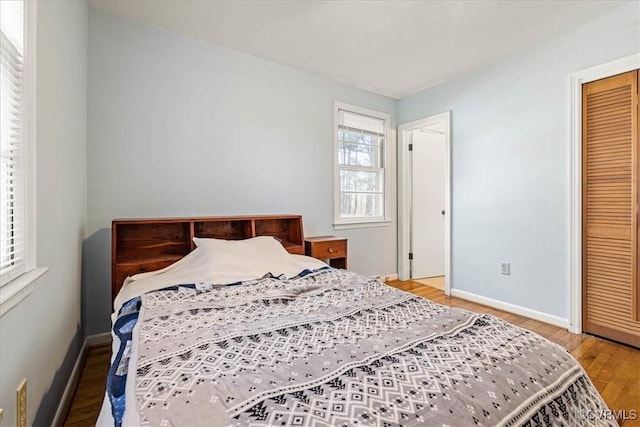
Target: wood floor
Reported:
[(87, 400), (613, 368)]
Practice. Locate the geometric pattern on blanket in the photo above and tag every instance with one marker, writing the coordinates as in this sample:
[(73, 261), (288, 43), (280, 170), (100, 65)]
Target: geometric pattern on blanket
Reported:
[(423, 386), (338, 348)]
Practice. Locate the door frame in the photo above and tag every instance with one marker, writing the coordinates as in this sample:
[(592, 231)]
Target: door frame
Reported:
[(576, 80), (404, 195)]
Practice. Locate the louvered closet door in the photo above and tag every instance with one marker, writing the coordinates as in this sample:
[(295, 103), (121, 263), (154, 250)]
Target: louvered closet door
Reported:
[(610, 214)]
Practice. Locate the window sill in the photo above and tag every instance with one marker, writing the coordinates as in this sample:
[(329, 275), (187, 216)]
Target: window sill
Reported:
[(361, 224), (18, 289)]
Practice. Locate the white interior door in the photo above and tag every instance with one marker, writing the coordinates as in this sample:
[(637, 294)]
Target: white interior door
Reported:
[(428, 202)]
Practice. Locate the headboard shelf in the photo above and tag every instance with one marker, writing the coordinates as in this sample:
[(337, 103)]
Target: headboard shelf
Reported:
[(160, 258), (141, 245)]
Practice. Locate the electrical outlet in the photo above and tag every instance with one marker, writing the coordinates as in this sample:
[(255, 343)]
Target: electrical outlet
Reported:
[(505, 268), (21, 404)]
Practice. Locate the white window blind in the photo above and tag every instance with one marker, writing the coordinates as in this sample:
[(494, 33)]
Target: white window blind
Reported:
[(12, 168), (361, 140)]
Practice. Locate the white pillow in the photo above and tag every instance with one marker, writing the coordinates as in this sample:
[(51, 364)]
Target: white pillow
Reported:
[(247, 247), (231, 261)]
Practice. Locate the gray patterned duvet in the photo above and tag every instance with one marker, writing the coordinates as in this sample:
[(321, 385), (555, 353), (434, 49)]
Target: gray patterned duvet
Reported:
[(341, 349)]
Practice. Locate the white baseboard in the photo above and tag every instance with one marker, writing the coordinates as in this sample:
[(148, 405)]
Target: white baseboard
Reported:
[(74, 378), (386, 277), (98, 339), (70, 389), (512, 308)]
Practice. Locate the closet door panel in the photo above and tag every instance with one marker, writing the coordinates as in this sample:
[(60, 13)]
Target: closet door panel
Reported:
[(610, 213)]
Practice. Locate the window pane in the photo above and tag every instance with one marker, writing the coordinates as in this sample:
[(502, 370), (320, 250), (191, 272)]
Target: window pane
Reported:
[(359, 155), (12, 227), (361, 139), (347, 135), (11, 22), (361, 204), (351, 180)]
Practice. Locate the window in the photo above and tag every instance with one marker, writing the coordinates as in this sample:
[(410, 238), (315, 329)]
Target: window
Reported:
[(361, 165), (16, 121)]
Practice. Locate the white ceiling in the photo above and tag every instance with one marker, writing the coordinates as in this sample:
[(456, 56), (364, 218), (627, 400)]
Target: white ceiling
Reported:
[(395, 48)]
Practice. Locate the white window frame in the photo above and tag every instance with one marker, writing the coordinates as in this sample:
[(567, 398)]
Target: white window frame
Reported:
[(365, 221), (18, 284)]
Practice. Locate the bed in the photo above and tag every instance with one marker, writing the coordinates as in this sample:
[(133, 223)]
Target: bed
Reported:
[(227, 324)]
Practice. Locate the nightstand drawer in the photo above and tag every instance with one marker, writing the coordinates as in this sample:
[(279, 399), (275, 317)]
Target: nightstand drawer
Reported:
[(328, 249)]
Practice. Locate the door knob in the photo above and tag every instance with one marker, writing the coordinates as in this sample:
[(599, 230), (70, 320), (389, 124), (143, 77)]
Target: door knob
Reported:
[(443, 212)]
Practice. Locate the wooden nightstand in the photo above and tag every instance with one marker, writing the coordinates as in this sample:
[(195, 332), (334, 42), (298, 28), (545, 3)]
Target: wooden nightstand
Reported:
[(330, 248)]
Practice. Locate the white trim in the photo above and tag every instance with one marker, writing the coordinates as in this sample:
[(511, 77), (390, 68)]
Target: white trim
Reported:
[(361, 224), (386, 277), (30, 76), (74, 378), (576, 80), (18, 289), (404, 214), (99, 339), (511, 308), (70, 388), (387, 157)]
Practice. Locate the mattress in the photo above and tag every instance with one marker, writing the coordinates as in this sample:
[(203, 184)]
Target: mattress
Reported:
[(332, 347)]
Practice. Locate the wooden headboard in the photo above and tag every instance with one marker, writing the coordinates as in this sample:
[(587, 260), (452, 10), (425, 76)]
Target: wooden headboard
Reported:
[(141, 245)]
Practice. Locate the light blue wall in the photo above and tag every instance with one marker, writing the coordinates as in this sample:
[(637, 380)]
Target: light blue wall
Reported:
[(40, 337), (179, 127), (510, 154)]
